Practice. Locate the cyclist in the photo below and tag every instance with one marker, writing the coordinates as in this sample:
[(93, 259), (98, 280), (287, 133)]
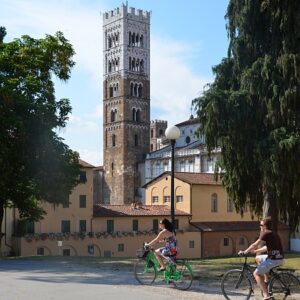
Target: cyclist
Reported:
[(165, 235), (273, 258)]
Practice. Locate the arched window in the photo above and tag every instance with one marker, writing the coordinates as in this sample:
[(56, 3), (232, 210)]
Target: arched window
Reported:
[(133, 64), (160, 132), (130, 63), (133, 39), (140, 91), (112, 168), (129, 38), (133, 114), (214, 203), (112, 116), (131, 89), (113, 140), (135, 90), (142, 66), (142, 41), (109, 66), (137, 118), (136, 141), (151, 133), (109, 42), (137, 39)]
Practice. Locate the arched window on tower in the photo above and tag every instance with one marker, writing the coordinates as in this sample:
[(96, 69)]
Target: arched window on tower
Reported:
[(109, 42), (109, 66), (133, 114), (142, 41), (131, 89), (137, 40), (113, 115), (136, 140), (142, 66), (111, 91), (129, 38), (140, 91), (151, 133), (112, 168), (130, 63), (137, 118), (133, 65), (133, 39), (113, 140), (135, 90)]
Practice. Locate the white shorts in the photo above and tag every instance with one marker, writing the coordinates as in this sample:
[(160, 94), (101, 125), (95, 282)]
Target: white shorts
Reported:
[(266, 264)]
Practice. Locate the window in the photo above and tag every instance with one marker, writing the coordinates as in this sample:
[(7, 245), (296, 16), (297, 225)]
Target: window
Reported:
[(214, 203), (167, 199), (82, 176), (187, 139), (40, 251), (229, 205), (241, 241), (151, 133), (82, 201), (82, 225), (191, 244), (176, 224), (110, 226), (155, 225), (226, 242), (65, 226), (179, 198), (29, 227), (66, 252), (120, 247), (136, 140), (154, 199), (113, 140), (135, 225)]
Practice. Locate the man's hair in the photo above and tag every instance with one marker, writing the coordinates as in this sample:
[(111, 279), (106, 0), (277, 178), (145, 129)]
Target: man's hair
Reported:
[(267, 222)]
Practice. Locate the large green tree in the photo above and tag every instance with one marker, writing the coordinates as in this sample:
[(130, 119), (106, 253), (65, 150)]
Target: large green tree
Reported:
[(35, 164), (252, 109)]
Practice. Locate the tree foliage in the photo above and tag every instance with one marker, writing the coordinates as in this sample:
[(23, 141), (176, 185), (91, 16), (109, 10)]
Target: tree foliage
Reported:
[(35, 164), (252, 109)]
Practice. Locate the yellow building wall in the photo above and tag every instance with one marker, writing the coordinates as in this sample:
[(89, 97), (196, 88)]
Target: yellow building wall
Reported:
[(201, 205), (162, 187)]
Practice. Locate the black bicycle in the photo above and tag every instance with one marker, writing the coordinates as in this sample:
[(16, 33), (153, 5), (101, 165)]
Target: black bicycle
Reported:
[(238, 283)]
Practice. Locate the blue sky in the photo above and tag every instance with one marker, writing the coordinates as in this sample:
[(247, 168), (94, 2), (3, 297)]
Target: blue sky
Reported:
[(187, 39)]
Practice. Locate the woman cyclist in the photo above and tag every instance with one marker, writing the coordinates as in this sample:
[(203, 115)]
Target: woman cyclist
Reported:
[(170, 250)]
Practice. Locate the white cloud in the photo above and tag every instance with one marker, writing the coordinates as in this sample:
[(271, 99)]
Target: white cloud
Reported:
[(173, 83), (91, 156)]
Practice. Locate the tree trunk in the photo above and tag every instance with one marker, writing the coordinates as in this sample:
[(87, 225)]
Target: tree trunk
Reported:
[(270, 208)]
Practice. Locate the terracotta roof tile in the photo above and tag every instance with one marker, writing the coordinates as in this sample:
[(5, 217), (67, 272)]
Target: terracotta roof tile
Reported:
[(197, 178), (106, 210), (232, 226), (85, 164)]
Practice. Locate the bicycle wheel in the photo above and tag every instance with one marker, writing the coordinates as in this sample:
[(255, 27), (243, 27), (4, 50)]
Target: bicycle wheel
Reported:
[(283, 285), (235, 285), (182, 276), (145, 271)]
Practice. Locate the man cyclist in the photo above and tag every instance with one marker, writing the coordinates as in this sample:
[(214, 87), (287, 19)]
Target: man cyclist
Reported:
[(274, 257)]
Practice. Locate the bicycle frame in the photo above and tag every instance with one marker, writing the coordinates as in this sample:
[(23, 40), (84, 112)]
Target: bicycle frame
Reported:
[(170, 272)]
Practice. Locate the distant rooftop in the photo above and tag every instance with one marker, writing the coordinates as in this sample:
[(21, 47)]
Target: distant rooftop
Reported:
[(85, 164), (106, 210)]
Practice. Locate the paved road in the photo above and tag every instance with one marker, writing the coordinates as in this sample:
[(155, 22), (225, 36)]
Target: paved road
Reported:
[(66, 280)]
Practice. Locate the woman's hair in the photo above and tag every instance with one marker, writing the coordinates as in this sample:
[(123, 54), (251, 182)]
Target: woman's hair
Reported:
[(168, 224), (267, 222)]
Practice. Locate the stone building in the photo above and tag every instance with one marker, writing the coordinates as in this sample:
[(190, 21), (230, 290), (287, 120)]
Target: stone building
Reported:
[(157, 134), (126, 101)]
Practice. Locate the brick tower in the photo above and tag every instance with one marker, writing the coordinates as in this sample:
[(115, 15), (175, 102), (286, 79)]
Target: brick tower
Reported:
[(126, 101)]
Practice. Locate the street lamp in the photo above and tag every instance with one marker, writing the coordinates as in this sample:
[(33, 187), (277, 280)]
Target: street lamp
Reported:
[(172, 133)]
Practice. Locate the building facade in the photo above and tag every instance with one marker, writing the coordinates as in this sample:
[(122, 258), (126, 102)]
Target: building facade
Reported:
[(126, 101)]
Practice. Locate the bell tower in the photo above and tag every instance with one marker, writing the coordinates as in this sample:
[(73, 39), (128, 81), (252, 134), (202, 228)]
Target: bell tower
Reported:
[(126, 101)]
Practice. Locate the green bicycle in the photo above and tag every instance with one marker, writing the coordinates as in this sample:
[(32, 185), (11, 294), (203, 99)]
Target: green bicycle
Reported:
[(147, 267)]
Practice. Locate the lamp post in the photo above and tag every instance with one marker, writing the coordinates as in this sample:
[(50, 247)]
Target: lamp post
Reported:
[(172, 133)]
